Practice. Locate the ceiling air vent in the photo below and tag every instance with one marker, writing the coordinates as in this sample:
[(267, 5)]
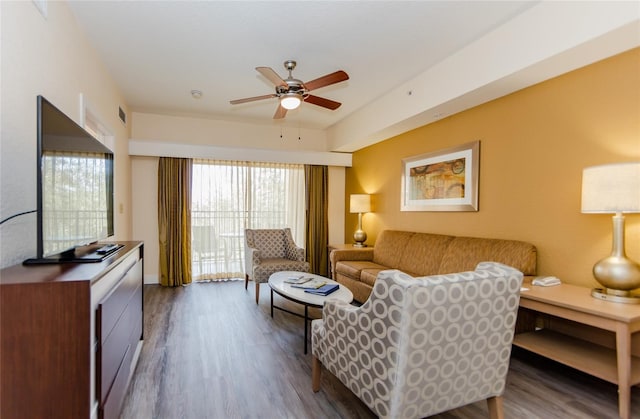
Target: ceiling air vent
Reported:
[(122, 115)]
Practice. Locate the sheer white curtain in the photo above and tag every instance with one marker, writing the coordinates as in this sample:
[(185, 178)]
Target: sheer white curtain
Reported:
[(229, 196)]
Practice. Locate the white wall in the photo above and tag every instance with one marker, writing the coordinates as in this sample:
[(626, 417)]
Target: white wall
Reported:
[(208, 131), (51, 57), (144, 190)]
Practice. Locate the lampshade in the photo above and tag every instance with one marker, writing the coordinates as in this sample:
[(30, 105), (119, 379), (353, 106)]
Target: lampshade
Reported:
[(290, 101), (611, 188), (360, 203)]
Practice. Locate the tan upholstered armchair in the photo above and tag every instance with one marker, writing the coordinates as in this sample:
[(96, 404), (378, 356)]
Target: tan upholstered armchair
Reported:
[(270, 251), (421, 346)]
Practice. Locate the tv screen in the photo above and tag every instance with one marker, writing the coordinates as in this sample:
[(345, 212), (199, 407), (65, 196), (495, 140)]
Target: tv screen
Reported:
[(75, 188)]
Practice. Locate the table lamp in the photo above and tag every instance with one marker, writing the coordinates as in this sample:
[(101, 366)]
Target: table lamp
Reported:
[(614, 189), (360, 203)]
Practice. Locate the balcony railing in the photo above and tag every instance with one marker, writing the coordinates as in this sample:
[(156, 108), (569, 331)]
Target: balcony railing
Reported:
[(217, 239)]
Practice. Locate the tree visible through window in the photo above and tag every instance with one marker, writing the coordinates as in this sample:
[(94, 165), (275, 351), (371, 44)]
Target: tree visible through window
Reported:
[(228, 197), (75, 199)]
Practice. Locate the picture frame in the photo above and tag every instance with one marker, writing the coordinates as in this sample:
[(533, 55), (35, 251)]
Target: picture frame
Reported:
[(443, 180)]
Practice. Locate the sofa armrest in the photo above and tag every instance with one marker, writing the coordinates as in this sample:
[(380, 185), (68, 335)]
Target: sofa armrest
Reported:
[(347, 254)]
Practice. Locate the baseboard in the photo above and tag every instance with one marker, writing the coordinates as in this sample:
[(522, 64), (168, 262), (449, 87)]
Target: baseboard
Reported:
[(151, 279)]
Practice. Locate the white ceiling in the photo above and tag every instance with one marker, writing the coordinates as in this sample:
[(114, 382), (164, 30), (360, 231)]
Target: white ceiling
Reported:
[(158, 51)]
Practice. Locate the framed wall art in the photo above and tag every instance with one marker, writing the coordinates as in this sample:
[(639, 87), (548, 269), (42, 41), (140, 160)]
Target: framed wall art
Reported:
[(444, 180)]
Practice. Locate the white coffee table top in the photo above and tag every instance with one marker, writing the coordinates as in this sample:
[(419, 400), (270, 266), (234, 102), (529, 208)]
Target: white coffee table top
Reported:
[(276, 282)]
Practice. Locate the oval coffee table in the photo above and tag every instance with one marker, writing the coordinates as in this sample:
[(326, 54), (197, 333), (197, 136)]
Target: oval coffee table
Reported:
[(298, 295)]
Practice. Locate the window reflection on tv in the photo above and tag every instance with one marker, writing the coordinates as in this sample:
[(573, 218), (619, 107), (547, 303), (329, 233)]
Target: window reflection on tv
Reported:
[(75, 195)]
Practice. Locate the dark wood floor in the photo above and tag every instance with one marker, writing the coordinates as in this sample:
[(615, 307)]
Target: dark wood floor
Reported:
[(211, 352)]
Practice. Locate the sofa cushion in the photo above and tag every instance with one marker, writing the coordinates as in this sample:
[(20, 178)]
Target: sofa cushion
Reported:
[(368, 276), (262, 272), (353, 268), (390, 245), (464, 253), (422, 254)]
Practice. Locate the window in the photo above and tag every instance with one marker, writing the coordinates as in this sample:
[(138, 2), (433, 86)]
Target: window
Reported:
[(228, 197)]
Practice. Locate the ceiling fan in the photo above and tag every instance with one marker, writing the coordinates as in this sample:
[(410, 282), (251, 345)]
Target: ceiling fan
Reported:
[(292, 92)]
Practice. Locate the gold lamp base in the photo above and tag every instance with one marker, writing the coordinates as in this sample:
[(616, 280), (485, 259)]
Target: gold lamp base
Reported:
[(618, 274), (626, 298), (359, 237)]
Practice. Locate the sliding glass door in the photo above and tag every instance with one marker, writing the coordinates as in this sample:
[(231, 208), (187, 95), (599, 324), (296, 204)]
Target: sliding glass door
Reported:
[(228, 197)]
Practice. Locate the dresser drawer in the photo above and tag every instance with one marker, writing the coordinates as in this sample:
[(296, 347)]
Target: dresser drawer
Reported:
[(111, 406), (119, 328), (113, 304)]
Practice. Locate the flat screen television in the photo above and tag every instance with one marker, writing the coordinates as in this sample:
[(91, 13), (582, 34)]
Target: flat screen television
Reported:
[(74, 190)]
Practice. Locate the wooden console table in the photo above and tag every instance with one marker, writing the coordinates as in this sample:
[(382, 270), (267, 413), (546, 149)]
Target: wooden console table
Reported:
[(570, 302)]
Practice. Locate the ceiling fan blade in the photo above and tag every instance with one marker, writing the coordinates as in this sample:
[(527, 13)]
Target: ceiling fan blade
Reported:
[(325, 103), (251, 99), (272, 76), (332, 78), (280, 112)]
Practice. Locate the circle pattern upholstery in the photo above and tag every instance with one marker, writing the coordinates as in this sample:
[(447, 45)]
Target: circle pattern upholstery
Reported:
[(421, 346)]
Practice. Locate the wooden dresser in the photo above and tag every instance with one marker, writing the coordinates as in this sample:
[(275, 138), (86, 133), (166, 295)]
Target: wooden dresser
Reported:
[(70, 336)]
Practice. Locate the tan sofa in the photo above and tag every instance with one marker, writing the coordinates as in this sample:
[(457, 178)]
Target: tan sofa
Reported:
[(422, 254)]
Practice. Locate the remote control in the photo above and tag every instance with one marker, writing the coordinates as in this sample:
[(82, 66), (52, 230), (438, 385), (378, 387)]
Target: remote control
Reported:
[(106, 249)]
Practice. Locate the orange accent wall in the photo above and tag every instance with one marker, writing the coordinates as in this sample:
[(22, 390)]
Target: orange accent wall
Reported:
[(533, 146)]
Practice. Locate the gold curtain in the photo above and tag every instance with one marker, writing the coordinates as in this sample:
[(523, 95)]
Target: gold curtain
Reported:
[(316, 223), (174, 220)]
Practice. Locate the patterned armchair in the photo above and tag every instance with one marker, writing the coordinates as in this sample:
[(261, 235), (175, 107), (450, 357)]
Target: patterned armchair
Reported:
[(270, 251), (421, 346)]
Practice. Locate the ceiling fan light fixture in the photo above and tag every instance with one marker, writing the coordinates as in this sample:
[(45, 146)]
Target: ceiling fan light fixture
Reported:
[(290, 101), (292, 92)]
